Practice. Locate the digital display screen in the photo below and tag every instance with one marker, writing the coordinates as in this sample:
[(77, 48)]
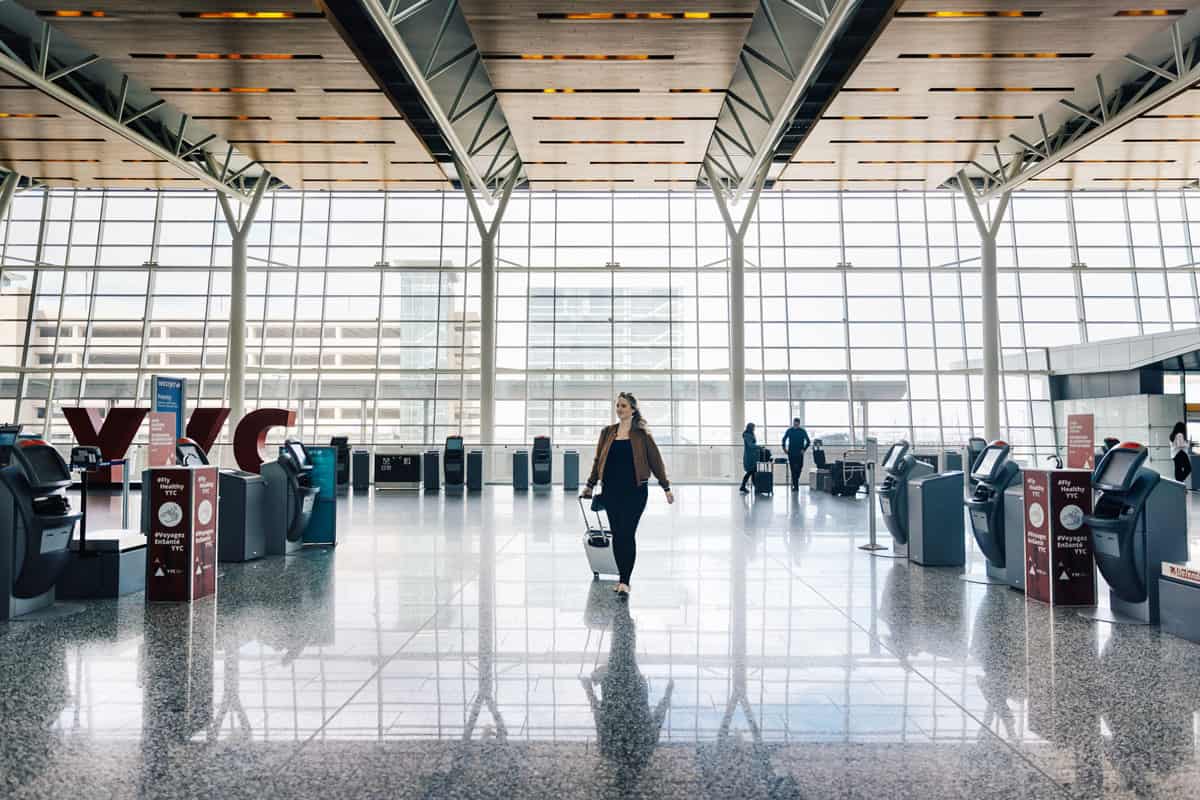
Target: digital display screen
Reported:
[(454, 443), (45, 465), (1117, 467), (190, 455), (893, 456), (397, 468), (298, 453), (8, 438), (987, 463)]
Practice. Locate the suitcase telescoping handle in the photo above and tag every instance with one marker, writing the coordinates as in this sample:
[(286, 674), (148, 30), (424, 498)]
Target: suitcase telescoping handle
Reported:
[(587, 525)]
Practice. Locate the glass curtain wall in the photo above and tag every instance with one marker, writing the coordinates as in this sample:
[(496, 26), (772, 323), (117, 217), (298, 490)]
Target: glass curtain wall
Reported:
[(863, 315)]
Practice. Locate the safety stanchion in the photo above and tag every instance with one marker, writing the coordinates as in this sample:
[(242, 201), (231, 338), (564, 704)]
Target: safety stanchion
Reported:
[(872, 544)]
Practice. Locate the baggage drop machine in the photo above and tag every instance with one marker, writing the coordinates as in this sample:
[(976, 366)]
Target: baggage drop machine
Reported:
[(242, 516), (542, 462), (1138, 521), (898, 467), (290, 498), (36, 527), (992, 473), (455, 465)]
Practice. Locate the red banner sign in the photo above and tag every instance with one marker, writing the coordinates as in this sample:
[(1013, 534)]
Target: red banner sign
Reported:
[(1059, 564), (1081, 441), (181, 556)]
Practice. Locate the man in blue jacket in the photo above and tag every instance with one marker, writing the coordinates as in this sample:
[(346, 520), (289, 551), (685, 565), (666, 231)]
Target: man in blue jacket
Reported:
[(795, 442)]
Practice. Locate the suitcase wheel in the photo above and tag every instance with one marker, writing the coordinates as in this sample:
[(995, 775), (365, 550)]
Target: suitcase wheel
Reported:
[(595, 576)]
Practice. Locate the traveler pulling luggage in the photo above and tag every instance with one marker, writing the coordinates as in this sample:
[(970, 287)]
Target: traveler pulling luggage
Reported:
[(764, 476), (597, 541)]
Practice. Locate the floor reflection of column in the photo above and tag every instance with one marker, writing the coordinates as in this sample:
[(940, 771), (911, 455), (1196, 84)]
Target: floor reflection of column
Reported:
[(731, 767)]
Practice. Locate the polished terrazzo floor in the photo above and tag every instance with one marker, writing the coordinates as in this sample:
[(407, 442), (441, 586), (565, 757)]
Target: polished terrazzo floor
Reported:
[(455, 647)]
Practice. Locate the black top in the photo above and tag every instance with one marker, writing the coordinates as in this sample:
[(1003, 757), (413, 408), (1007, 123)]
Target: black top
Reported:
[(619, 475)]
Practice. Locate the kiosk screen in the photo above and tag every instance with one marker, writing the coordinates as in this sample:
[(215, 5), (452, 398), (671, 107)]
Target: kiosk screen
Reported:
[(1118, 469), (987, 463), (190, 455), (45, 465), (298, 453), (454, 443), (8, 438)]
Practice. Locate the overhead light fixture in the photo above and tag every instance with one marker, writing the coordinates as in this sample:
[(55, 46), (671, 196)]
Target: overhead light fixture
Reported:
[(987, 56), (610, 141), (917, 161), (14, 115), (703, 90), (914, 141), (316, 161), (644, 16), (231, 117), (966, 14), (566, 90), (311, 141), (630, 163), (253, 15), (1118, 161), (220, 89), (1151, 12), (579, 57), (622, 119), (64, 139), (349, 118), (1056, 89), (226, 56), (857, 118), (68, 13), (870, 88), (978, 117)]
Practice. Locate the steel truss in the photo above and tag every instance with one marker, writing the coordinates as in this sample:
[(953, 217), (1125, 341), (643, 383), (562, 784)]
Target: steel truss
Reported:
[(788, 42), (435, 46), (34, 53), (1167, 65)]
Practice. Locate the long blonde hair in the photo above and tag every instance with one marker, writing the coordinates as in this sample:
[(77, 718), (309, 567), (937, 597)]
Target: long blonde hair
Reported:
[(638, 419)]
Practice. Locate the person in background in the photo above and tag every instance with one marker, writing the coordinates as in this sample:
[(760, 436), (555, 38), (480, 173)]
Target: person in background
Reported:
[(749, 455), (795, 442), (1181, 452)]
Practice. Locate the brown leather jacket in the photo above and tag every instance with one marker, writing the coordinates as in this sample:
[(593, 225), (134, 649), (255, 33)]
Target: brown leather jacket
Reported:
[(646, 458)]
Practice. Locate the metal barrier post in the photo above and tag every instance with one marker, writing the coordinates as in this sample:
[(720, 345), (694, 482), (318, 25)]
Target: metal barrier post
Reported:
[(871, 544)]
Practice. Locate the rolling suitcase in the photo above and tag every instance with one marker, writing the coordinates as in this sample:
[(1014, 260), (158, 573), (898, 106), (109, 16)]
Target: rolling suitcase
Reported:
[(597, 543), (764, 476)]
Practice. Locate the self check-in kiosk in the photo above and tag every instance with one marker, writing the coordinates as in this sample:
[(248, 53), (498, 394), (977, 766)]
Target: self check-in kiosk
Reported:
[(991, 475), (899, 467), (290, 498), (1139, 520), (36, 527), (9, 433), (455, 465), (543, 461), (242, 506)]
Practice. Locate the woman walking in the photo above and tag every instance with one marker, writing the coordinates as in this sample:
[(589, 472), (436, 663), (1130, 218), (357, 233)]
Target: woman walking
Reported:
[(749, 455), (626, 456)]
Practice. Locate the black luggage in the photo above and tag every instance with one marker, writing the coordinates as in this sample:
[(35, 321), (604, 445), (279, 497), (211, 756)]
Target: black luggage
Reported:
[(764, 476)]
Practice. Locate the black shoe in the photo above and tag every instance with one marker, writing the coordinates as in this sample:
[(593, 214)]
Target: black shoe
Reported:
[(795, 488), (744, 490)]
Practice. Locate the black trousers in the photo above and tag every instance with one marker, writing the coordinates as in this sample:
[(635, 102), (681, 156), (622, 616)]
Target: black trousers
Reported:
[(796, 464), (624, 513), (749, 474)]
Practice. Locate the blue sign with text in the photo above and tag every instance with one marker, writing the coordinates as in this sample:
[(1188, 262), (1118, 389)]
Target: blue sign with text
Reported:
[(169, 395)]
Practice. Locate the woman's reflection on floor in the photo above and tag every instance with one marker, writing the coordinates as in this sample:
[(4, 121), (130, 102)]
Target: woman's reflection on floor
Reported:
[(627, 728)]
